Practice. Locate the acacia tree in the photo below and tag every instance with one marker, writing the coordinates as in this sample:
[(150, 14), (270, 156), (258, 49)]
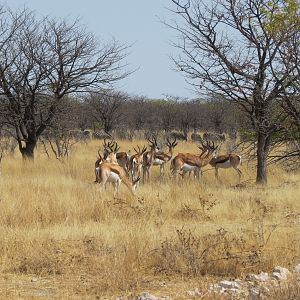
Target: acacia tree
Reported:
[(106, 108), (232, 49), (41, 62)]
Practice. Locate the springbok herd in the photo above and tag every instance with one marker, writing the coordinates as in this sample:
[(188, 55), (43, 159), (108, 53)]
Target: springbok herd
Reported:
[(116, 167)]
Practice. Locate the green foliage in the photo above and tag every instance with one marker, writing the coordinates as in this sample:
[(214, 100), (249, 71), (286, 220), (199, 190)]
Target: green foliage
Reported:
[(99, 125), (281, 16)]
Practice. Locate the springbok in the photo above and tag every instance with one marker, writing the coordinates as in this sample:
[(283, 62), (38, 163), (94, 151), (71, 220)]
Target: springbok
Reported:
[(161, 158), (121, 158), (187, 162), (148, 158), (110, 172), (109, 155), (136, 162), (225, 162)]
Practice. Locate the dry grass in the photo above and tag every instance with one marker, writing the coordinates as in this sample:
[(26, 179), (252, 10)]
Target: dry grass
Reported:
[(56, 226)]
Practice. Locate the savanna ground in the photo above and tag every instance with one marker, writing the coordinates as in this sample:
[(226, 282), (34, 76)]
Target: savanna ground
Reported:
[(62, 238)]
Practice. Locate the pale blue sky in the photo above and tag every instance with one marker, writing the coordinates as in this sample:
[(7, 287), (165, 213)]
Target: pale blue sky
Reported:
[(133, 22)]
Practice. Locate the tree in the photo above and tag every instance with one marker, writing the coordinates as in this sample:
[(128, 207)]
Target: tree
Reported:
[(43, 61), (106, 108), (232, 48)]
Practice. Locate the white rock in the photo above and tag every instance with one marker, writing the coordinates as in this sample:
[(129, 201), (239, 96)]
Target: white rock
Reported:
[(297, 269), (280, 273), (262, 277), (258, 292), (254, 293), (227, 284), (193, 293), (147, 296)]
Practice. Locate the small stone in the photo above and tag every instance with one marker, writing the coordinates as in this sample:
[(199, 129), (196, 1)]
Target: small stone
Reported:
[(34, 279), (254, 293), (147, 296), (262, 277), (280, 273), (227, 284), (191, 293), (297, 269)]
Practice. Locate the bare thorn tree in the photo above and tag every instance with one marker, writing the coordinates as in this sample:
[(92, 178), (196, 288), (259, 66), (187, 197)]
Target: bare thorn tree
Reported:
[(232, 48), (106, 108), (42, 61)]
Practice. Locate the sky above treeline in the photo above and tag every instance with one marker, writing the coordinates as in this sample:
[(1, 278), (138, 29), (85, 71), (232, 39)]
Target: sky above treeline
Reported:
[(134, 22)]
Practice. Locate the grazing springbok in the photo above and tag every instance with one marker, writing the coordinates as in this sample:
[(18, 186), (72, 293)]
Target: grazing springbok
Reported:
[(148, 158), (136, 162), (161, 158), (110, 172), (225, 162), (187, 162)]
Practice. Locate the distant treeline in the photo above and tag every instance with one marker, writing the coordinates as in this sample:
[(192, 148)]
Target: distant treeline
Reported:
[(116, 111)]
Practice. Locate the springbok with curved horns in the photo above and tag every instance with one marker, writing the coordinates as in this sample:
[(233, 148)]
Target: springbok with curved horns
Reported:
[(109, 154), (161, 158), (136, 162), (121, 158), (148, 158), (187, 162)]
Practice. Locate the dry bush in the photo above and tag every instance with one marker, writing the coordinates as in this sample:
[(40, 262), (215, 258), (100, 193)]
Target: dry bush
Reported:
[(218, 254), (286, 291)]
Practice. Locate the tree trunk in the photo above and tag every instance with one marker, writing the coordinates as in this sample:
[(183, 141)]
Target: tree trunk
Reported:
[(28, 151), (262, 154)]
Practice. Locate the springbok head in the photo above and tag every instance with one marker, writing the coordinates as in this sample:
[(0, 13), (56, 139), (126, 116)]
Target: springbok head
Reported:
[(110, 150), (171, 144), (153, 143), (140, 152), (208, 148)]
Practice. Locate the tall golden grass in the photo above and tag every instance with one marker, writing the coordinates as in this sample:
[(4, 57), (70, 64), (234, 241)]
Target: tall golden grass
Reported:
[(57, 226)]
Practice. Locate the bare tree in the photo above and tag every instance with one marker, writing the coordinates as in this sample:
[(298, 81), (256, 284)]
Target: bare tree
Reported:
[(232, 48), (58, 138), (106, 108), (41, 62)]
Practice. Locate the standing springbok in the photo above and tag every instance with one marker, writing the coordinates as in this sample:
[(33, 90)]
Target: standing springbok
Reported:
[(136, 162), (110, 172), (161, 158), (148, 158), (187, 162), (225, 162), (109, 155), (121, 158)]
